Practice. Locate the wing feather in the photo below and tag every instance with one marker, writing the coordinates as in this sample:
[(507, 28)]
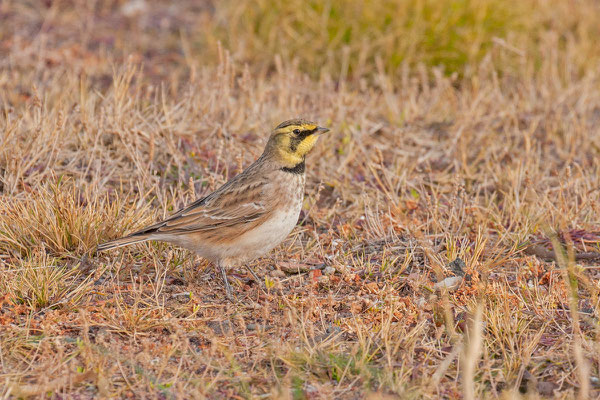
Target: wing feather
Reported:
[(234, 205)]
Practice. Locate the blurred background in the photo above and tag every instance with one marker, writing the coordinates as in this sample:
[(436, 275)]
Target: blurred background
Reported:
[(334, 38)]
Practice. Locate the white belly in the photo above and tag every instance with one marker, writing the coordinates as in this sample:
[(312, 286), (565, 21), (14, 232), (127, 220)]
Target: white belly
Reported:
[(265, 237)]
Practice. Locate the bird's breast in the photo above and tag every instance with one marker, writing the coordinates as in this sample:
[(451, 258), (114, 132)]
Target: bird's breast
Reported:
[(280, 223)]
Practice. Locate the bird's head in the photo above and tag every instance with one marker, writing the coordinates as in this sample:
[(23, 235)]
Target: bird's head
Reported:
[(292, 140)]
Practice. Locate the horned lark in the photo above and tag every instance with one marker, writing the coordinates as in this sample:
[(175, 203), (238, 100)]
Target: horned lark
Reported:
[(249, 215)]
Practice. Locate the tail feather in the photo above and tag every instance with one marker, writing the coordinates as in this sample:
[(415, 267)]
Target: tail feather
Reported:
[(124, 241)]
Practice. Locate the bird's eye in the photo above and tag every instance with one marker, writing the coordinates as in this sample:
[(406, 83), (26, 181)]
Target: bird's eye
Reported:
[(296, 131)]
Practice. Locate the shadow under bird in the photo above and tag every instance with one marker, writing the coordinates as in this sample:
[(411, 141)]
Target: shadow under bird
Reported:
[(250, 214)]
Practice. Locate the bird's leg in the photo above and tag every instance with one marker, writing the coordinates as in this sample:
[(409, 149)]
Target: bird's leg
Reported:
[(254, 276), (228, 290)]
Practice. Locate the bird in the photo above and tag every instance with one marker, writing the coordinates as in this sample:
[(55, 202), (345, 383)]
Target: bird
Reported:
[(250, 214)]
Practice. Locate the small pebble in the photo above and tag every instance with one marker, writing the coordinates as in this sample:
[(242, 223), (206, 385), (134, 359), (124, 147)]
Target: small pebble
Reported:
[(458, 266), (449, 283), (329, 271)]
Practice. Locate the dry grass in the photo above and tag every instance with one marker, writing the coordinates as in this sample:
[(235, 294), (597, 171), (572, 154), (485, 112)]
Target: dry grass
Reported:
[(420, 168)]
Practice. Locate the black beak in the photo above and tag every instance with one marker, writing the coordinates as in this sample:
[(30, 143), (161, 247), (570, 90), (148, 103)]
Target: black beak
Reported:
[(320, 129)]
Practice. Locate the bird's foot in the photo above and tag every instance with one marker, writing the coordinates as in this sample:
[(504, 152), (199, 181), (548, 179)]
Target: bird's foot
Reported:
[(229, 294), (254, 276), (228, 290)]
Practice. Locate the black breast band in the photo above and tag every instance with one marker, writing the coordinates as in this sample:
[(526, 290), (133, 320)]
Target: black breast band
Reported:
[(296, 169)]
